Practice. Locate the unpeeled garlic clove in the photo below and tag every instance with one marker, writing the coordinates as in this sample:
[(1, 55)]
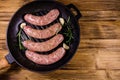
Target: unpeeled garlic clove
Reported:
[(22, 25), (65, 46), (62, 21)]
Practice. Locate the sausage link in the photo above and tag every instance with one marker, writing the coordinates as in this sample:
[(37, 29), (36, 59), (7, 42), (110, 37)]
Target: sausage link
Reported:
[(44, 46), (42, 34), (45, 59), (42, 20)]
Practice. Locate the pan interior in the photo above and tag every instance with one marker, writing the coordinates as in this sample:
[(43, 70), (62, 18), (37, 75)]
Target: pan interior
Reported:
[(40, 8)]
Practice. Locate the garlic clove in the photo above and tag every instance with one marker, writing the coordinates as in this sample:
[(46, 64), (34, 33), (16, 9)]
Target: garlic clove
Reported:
[(65, 46), (22, 25), (62, 21)]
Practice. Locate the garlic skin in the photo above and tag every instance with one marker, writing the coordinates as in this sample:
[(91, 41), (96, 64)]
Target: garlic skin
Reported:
[(65, 46), (62, 21), (22, 25)]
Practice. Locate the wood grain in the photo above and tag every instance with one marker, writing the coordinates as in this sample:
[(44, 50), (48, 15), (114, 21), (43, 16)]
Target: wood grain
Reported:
[(4, 63), (108, 59), (11, 6), (114, 74), (59, 75), (99, 43), (83, 59), (100, 29), (95, 5)]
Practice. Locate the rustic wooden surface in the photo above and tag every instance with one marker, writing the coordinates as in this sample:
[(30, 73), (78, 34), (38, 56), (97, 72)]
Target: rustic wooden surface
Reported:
[(98, 55)]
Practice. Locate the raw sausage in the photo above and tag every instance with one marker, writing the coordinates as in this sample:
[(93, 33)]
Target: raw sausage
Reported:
[(42, 34), (45, 59), (42, 20), (44, 46)]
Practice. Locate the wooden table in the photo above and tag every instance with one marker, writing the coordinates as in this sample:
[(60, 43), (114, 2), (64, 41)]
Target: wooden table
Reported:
[(98, 55)]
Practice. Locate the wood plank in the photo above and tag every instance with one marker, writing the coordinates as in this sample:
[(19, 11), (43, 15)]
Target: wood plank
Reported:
[(7, 5), (57, 75), (100, 15), (95, 5), (114, 74), (108, 58), (99, 43), (3, 28), (100, 29), (5, 16), (3, 53), (3, 44)]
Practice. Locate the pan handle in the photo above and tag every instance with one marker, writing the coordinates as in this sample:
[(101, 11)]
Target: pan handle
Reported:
[(6, 61), (9, 58), (78, 15)]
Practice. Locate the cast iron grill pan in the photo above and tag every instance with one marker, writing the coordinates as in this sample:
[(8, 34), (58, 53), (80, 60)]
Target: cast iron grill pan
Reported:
[(40, 8)]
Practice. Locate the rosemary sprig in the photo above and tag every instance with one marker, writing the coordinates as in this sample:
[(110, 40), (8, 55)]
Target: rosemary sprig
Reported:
[(68, 33), (19, 40)]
